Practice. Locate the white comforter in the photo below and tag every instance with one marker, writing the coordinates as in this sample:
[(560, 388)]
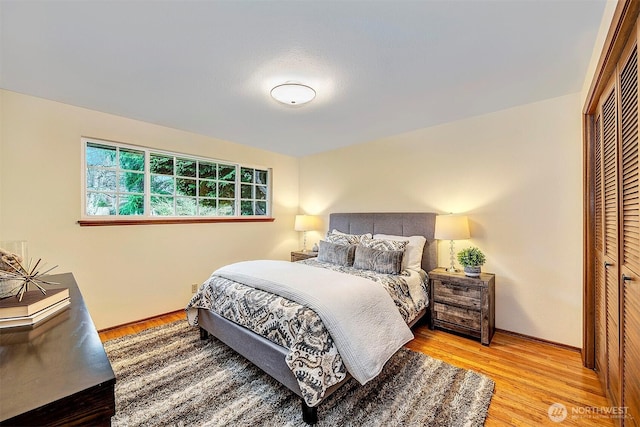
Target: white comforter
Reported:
[(358, 313)]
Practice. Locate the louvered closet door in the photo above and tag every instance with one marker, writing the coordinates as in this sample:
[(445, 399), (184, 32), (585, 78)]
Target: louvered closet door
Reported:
[(615, 130), (630, 248), (600, 282), (610, 234)]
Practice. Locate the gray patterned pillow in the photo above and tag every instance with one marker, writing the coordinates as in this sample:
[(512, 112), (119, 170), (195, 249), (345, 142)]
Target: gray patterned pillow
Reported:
[(385, 245), (336, 254), (381, 261), (346, 239)]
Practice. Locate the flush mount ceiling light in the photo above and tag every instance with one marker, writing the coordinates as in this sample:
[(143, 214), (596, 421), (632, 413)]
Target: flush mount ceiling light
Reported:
[(293, 93)]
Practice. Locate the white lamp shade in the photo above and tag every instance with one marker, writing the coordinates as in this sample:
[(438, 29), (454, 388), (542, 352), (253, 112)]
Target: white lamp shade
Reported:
[(293, 93), (305, 223), (452, 227)]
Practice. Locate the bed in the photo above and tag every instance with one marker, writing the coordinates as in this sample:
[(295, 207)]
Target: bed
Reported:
[(276, 355)]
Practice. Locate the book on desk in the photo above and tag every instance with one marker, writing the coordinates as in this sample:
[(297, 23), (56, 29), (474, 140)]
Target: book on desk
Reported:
[(33, 308)]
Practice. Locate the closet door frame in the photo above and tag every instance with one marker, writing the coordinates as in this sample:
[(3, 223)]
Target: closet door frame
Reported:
[(622, 25)]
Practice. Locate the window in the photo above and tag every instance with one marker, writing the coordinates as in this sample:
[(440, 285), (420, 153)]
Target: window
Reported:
[(115, 180), (253, 191), (128, 181)]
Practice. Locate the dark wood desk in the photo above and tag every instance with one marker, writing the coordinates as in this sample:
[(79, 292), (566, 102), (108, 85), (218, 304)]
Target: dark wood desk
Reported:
[(56, 373)]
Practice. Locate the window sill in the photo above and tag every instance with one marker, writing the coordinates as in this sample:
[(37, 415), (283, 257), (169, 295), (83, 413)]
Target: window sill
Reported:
[(158, 221)]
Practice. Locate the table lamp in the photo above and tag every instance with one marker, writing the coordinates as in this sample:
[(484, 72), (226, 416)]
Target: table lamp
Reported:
[(452, 227), (305, 223)]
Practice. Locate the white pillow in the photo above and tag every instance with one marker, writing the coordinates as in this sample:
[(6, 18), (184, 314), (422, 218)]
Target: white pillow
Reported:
[(412, 259)]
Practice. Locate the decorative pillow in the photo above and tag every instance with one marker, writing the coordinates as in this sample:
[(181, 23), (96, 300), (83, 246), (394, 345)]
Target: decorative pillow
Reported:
[(385, 245), (341, 238), (336, 254), (381, 261), (413, 253)]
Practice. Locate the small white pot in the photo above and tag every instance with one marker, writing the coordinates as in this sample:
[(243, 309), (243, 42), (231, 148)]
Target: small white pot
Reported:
[(472, 271)]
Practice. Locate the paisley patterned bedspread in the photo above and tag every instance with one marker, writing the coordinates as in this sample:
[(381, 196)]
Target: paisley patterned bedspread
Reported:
[(313, 357)]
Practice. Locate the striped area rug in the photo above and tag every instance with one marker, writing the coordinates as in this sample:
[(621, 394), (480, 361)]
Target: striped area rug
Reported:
[(168, 376)]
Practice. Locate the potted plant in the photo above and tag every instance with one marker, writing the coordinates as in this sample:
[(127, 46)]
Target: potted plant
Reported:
[(471, 259)]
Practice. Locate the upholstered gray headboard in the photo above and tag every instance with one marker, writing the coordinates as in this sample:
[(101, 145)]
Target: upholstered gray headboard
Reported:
[(399, 224)]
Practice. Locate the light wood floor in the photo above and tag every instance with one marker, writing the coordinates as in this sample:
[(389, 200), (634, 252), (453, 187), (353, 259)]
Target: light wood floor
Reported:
[(529, 375)]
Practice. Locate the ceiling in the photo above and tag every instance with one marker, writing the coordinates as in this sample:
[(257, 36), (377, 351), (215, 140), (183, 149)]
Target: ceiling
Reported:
[(379, 68)]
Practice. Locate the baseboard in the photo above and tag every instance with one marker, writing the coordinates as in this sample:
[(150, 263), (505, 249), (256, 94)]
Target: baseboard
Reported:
[(135, 322), (540, 340)]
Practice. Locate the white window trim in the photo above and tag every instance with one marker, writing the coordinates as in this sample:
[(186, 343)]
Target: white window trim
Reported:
[(87, 219)]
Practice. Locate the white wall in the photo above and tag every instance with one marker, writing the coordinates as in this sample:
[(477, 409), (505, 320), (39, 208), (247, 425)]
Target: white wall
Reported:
[(516, 173), (1, 155), (125, 273)]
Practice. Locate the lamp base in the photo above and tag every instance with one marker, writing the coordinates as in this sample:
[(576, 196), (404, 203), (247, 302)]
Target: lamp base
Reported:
[(452, 268)]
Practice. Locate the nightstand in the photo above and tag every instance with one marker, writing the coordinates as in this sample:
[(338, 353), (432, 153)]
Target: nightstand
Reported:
[(463, 304), (300, 255)]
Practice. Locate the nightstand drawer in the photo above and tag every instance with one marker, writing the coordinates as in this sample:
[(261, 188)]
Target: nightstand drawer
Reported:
[(460, 316), (465, 296)]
